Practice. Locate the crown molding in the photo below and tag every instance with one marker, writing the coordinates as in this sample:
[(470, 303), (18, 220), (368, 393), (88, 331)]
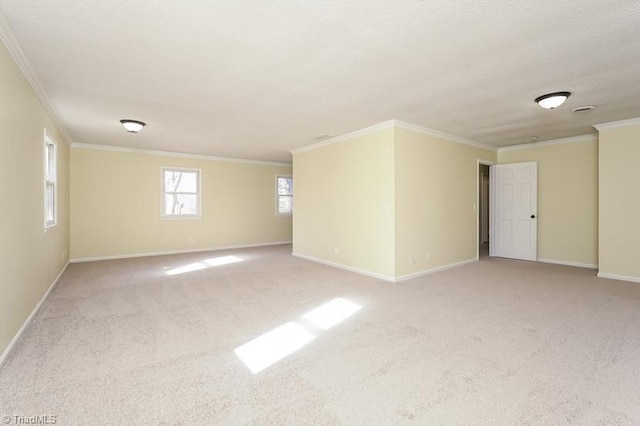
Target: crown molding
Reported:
[(438, 134), (13, 47), (96, 147), (618, 124), (393, 124), (360, 132), (572, 139)]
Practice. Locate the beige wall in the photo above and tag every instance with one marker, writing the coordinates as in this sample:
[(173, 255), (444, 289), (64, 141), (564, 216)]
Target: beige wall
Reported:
[(436, 184), (619, 160), (385, 197), (115, 205), (567, 199), (30, 258), (344, 203)]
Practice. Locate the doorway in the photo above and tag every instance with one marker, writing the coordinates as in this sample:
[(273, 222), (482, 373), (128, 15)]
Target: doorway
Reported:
[(483, 204)]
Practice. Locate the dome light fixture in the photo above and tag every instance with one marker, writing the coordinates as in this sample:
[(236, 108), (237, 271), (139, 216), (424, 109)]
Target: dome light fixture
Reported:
[(132, 126), (552, 100)]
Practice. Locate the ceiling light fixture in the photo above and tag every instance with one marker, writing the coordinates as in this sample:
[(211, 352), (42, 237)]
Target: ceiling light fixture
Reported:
[(133, 126), (552, 100)]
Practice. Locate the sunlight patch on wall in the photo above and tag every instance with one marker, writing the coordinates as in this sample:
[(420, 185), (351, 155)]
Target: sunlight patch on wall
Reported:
[(208, 263), (271, 347)]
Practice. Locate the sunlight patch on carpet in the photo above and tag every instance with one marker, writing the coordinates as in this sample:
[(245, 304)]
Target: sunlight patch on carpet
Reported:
[(332, 313), (272, 346), (208, 263)]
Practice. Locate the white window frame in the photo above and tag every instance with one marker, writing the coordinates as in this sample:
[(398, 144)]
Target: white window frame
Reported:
[(198, 193), (278, 196), (50, 180)]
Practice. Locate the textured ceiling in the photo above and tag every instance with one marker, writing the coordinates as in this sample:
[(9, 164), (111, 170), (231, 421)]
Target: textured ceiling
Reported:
[(255, 79)]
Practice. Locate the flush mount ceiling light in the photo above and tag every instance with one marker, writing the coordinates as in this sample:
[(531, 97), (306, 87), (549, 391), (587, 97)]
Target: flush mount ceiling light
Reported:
[(552, 100), (133, 126)]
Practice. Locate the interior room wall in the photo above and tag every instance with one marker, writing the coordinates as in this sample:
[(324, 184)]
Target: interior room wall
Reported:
[(619, 183), (30, 258), (436, 184), (344, 203), (116, 203), (567, 198)]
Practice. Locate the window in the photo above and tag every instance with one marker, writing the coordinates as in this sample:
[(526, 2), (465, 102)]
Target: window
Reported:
[(284, 190), (50, 182), (180, 192)]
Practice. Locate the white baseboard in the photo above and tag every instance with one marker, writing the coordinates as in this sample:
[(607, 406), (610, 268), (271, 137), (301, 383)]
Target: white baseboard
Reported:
[(164, 253), (12, 343), (434, 270), (346, 267), (382, 276), (567, 263), (619, 277)]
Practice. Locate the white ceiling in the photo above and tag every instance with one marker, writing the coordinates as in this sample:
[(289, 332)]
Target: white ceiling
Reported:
[(255, 79)]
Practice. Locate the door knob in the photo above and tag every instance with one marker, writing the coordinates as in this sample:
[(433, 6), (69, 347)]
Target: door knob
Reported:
[(533, 216)]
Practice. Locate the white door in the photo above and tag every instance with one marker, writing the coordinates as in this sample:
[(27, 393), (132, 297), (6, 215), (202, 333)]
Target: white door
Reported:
[(514, 200)]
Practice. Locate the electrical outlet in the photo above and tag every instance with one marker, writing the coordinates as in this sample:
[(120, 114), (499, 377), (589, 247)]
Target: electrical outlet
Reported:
[(428, 256), (336, 250), (413, 260)]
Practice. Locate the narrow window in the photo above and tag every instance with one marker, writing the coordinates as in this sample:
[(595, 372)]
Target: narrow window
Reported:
[(284, 191), (50, 182), (180, 192)]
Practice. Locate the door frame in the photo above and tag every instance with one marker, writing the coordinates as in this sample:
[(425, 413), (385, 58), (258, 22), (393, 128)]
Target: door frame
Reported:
[(477, 205)]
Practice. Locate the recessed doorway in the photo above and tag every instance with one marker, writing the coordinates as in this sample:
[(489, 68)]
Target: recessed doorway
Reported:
[(483, 210)]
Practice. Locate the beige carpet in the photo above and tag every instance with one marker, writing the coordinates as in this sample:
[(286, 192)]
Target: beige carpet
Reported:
[(498, 342)]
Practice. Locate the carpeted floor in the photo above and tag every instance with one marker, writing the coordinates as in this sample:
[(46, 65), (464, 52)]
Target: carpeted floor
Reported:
[(498, 342)]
